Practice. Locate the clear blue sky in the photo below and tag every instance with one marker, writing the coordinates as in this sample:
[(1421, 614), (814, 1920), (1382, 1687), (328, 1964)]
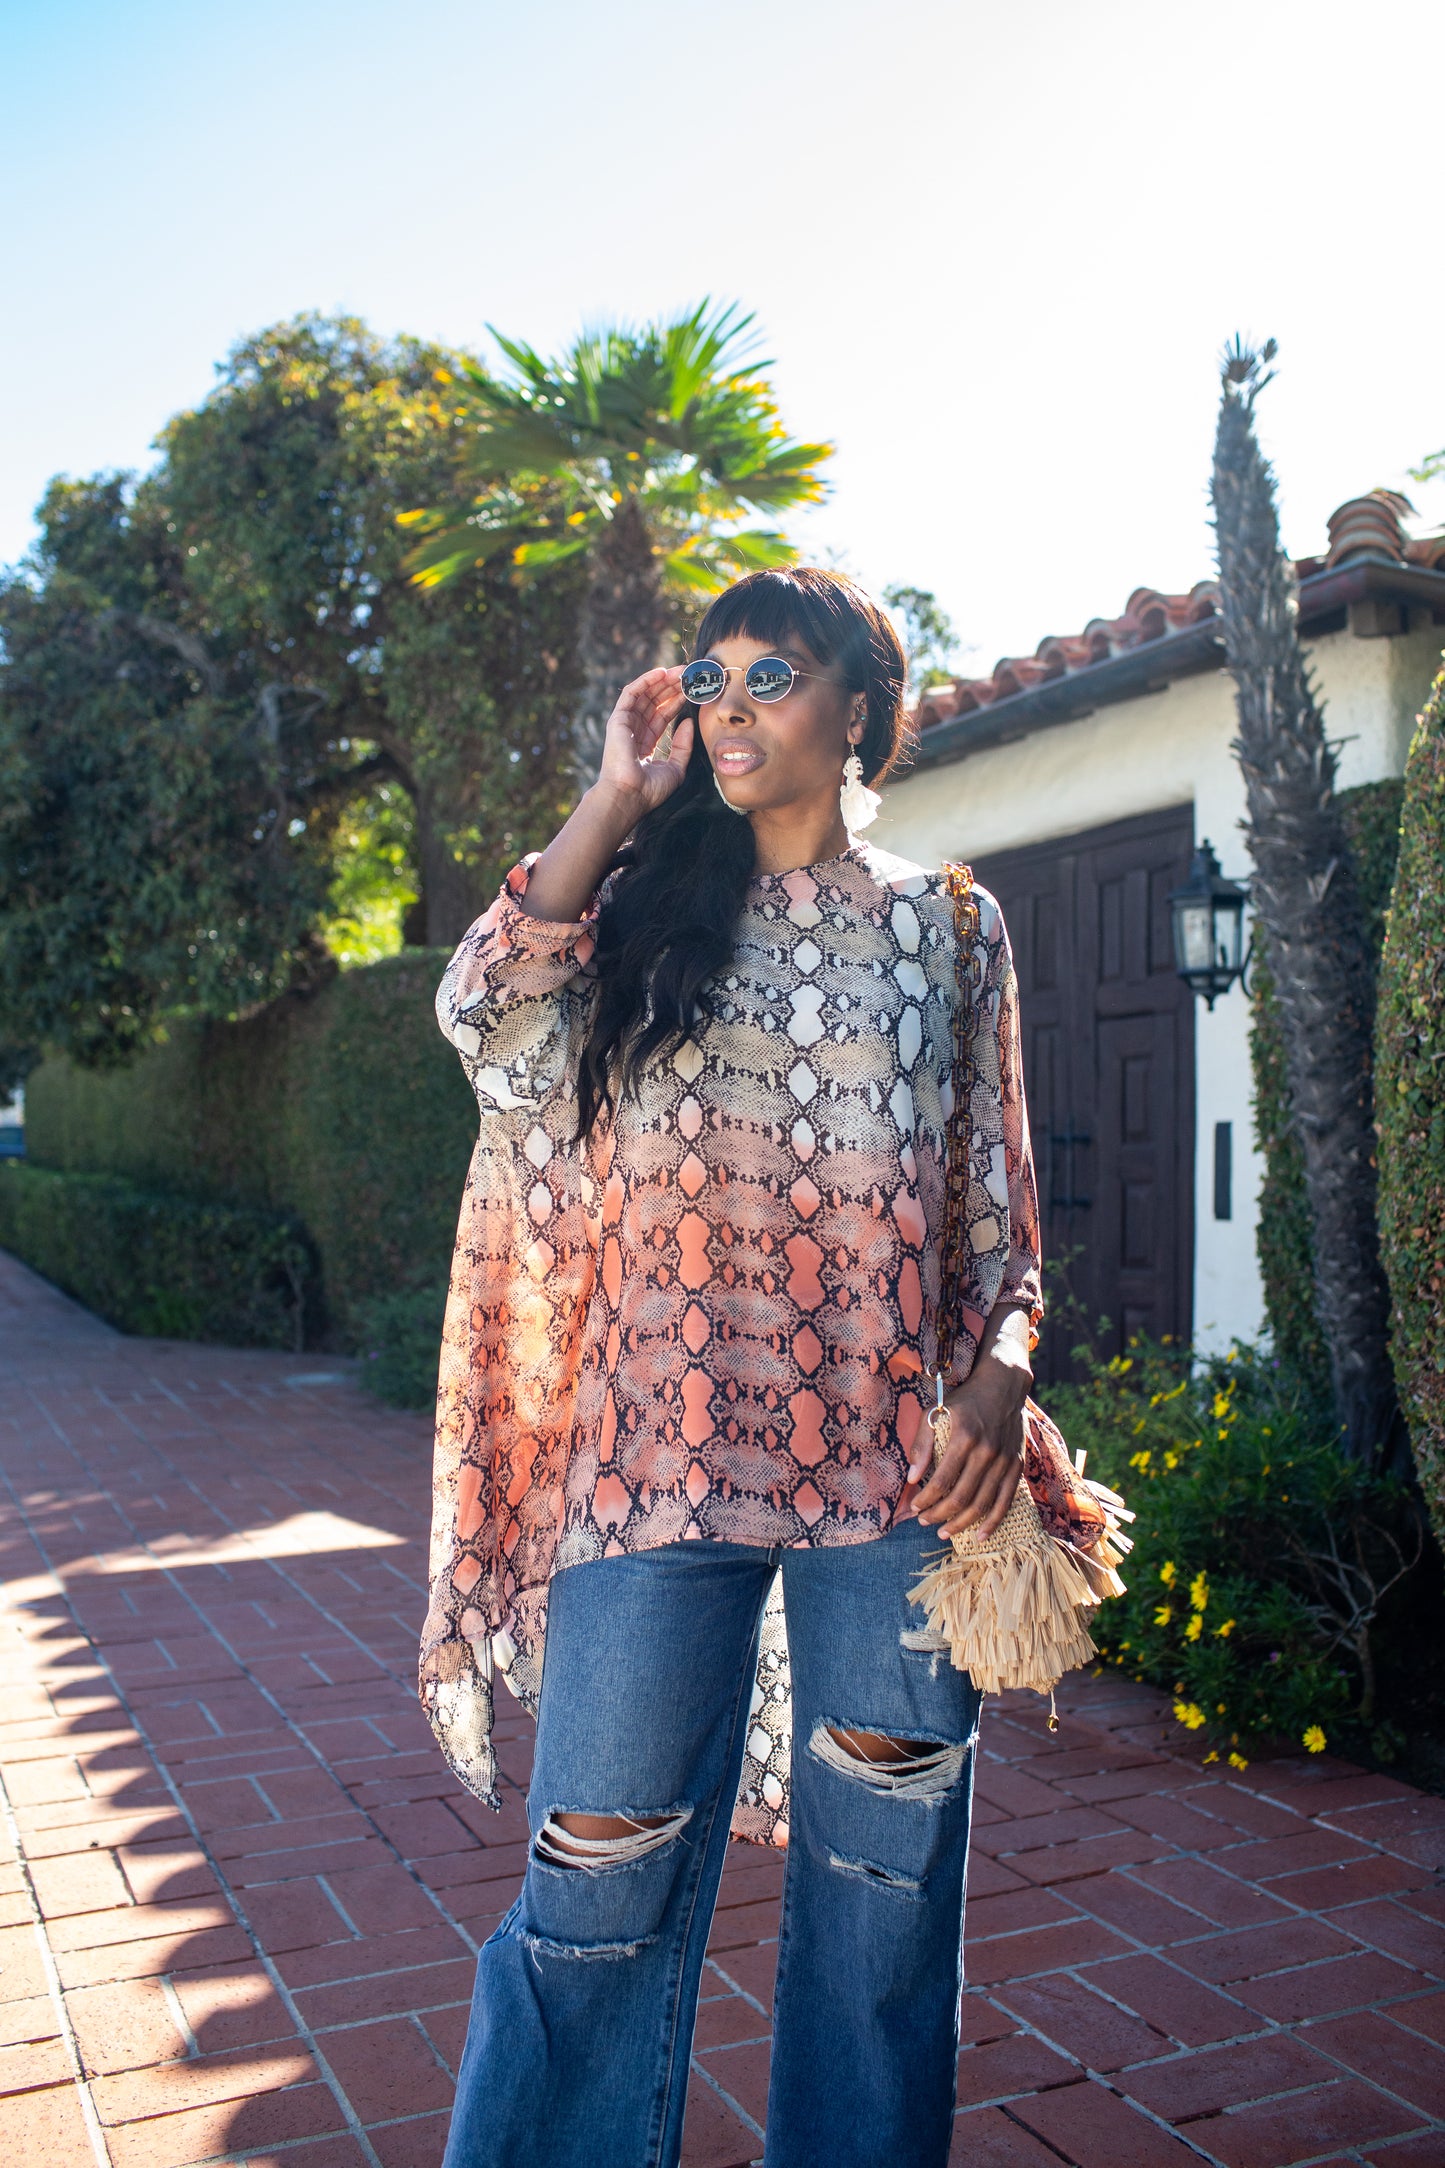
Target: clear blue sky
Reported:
[(995, 247)]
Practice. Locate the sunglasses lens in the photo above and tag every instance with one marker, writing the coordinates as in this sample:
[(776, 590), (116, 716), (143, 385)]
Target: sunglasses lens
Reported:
[(769, 678), (703, 681)]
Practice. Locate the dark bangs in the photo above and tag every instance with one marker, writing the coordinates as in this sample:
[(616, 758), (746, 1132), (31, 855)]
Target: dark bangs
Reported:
[(776, 607)]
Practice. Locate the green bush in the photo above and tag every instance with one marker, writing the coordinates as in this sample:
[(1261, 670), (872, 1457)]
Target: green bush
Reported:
[(400, 1344), (1261, 1554), (1410, 1105), (160, 1265), (1371, 814), (345, 1108)]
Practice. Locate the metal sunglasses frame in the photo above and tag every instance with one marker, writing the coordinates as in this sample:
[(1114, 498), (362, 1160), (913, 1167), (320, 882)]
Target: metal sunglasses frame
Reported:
[(766, 700)]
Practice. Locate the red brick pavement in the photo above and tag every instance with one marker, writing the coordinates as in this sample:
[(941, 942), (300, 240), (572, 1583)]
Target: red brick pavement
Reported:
[(241, 1895)]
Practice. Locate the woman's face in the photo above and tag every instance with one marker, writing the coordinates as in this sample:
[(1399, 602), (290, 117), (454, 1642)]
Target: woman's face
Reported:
[(771, 754)]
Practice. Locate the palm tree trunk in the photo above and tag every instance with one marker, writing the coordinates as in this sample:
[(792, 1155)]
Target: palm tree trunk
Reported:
[(1304, 892), (625, 628)]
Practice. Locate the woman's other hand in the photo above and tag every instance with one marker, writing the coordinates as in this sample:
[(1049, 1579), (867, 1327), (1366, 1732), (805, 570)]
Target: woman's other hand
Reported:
[(632, 777), (973, 1485)]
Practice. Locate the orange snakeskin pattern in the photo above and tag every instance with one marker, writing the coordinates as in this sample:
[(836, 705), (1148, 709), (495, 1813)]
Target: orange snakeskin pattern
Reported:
[(711, 1321)]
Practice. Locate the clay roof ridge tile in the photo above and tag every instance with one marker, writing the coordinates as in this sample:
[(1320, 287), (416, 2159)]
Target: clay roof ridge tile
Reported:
[(1367, 526)]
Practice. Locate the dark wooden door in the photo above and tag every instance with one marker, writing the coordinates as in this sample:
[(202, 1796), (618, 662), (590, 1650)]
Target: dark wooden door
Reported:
[(1108, 1037)]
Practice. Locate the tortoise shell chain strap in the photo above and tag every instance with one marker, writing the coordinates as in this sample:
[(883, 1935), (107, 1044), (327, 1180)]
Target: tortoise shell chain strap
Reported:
[(1010, 1607)]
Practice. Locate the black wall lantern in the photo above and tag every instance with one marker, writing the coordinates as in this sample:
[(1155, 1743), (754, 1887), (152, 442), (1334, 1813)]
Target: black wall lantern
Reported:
[(1207, 915)]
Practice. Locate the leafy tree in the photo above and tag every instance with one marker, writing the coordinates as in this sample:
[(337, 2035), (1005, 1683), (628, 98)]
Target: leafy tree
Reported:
[(203, 673), (1305, 893), (1410, 1099), (930, 637), (373, 899), (285, 487), (145, 858), (639, 454)]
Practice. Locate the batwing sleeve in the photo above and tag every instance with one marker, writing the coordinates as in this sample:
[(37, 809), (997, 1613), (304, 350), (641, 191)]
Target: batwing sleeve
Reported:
[(1001, 1259), (1022, 1281), (503, 1000)]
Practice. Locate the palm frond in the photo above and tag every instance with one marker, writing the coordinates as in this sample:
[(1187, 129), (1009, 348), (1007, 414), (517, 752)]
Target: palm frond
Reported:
[(677, 418)]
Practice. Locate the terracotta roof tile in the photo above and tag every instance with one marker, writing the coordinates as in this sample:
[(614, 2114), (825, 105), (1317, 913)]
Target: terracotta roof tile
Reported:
[(1368, 526)]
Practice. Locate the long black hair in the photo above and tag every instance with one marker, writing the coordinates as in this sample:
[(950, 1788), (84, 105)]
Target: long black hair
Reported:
[(679, 883)]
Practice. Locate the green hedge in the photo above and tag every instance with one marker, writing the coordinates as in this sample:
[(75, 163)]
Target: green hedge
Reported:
[(345, 1109), (158, 1264), (1283, 1241), (1410, 1105)]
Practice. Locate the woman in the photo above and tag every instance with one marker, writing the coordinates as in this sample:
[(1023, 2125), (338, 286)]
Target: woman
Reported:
[(687, 1346)]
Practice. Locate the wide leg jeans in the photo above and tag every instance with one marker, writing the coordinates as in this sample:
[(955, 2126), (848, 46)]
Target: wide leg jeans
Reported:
[(581, 2025)]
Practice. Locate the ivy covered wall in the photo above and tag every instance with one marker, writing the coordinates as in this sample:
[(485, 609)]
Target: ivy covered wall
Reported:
[(1410, 1105)]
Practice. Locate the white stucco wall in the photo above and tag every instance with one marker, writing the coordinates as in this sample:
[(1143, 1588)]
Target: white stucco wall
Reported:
[(1166, 749)]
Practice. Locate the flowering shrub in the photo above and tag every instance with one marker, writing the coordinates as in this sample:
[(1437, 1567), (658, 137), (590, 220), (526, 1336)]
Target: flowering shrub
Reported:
[(1261, 1554)]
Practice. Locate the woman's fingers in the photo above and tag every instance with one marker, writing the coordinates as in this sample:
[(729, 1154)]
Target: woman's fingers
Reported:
[(990, 1503), (647, 706), (957, 1470), (680, 751), (998, 1512), (959, 1499)]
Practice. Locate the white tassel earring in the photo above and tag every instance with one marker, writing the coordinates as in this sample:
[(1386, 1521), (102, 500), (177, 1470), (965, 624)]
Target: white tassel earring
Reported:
[(857, 804)]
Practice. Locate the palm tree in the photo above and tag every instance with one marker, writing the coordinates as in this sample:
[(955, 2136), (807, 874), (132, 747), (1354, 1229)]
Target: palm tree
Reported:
[(648, 449), (1304, 894)]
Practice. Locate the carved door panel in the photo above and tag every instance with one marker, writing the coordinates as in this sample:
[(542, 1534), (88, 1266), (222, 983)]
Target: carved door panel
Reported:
[(1108, 1039)]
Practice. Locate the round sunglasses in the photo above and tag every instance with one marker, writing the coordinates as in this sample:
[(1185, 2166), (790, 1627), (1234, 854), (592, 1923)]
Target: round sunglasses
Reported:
[(768, 678)]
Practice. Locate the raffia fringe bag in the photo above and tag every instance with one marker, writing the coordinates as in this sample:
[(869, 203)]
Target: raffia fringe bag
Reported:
[(1013, 1607)]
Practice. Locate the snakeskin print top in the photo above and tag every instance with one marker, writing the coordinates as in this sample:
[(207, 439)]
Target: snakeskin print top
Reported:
[(710, 1321)]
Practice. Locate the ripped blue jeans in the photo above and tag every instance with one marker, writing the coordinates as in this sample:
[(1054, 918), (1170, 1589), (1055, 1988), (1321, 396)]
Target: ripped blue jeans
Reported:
[(582, 2020)]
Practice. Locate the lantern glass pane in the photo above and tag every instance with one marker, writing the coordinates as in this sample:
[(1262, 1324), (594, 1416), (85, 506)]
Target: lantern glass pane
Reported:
[(1228, 928), (1193, 935)]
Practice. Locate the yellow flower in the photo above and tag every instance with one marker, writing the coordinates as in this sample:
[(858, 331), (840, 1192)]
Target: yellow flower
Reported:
[(1166, 1572), (1221, 1407), (1314, 1739), (1237, 1761), (1199, 1591), (1219, 1708), (1212, 1755), (1189, 1714), (1220, 1632), (1195, 1628), (1163, 1615), (1171, 1459), (1139, 1460)]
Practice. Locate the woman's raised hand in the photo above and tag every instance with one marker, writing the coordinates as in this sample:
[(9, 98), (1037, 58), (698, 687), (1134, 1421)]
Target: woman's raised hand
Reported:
[(630, 772), (630, 783)]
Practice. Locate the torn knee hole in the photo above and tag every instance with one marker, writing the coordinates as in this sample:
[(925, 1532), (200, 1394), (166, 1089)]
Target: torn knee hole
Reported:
[(911, 1768), (872, 1746), (593, 1841)]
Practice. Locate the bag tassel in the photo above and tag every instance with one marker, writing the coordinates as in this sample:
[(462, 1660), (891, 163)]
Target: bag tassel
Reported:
[(1012, 1606)]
